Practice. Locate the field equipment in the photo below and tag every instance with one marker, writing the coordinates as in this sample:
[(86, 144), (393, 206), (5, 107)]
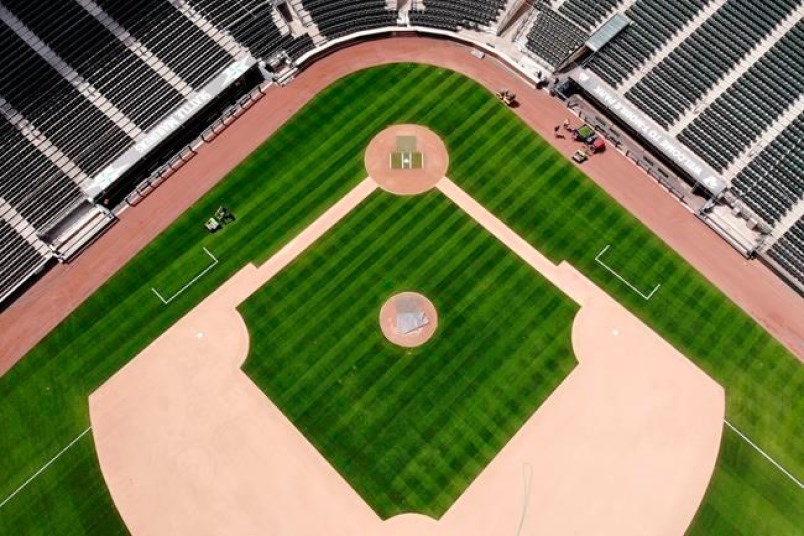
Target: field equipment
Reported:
[(580, 156), (212, 225), (224, 215), (598, 145), (506, 97), (587, 135)]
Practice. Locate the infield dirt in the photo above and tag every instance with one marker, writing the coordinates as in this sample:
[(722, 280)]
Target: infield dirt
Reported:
[(626, 445)]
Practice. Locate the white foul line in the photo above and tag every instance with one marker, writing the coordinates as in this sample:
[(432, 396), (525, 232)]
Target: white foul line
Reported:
[(48, 464), (618, 276), (765, 454), (193, 280)]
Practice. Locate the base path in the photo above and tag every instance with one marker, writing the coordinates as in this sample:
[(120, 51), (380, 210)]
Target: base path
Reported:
[(625, 446), (750, 284)]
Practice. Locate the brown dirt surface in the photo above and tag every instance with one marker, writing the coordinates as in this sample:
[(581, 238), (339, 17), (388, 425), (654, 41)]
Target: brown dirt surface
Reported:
[(415, 338), (189, 445), (406, 181), (750, 284)]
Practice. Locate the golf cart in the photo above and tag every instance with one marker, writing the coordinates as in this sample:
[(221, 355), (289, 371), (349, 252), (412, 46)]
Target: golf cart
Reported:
[(580, 156)]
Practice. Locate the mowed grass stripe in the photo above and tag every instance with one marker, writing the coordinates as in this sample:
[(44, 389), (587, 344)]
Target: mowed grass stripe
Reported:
[(389, 457), (275, 193), (352, 269), (327, 157), (398, 247)]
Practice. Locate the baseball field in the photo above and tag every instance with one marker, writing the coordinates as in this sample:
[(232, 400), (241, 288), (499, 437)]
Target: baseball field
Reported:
[(51, 479)]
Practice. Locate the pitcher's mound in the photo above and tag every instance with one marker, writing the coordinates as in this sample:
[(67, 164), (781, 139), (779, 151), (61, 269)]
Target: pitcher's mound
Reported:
[(408, 319), (406, 159)]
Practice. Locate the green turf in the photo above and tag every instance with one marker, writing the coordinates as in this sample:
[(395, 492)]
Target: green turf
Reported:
[(409, 429), (745, 497), (304, 168), (69, 496)]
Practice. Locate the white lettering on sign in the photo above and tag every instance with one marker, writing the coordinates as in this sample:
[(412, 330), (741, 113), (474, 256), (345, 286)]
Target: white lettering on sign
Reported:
[(235, 71), (165, 128), (650, 131), (174, 121), (108, 175)]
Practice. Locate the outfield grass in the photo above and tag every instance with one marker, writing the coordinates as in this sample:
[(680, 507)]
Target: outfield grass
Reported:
[(304, 168), (409, 429)]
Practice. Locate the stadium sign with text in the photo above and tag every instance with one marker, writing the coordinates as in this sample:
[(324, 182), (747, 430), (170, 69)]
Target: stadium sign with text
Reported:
[(194, 103), (649, 130)]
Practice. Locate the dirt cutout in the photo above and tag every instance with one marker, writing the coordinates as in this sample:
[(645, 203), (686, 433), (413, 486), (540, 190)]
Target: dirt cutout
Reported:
[(408, 319), (410, 181)]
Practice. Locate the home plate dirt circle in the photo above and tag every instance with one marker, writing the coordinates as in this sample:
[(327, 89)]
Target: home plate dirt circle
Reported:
[(408, 319), (406, 159)]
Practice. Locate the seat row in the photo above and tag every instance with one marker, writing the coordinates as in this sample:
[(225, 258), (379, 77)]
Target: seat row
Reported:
[(553, 38), (36, 188), (746, 110), (788, 251), (588, 14), (336, 18), (653, 23), (17, 258), (773, 182), (675, 85), (455, 14)]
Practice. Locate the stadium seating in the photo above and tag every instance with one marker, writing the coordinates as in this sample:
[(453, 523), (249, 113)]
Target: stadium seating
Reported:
[(50, 102), (455, 14), (250, 23), (32, 184), (552, 37), (100, 58), (17, 258), (172, 37), (788, 251), (587, 15), (336, 18), (681, 79), (741, 114), (774, 180), (653, 23)]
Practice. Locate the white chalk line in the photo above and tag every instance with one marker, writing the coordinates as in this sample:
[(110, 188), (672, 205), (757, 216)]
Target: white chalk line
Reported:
[(765, 454), (527, 477), (192, 281), (644, 296), (42, 469)]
